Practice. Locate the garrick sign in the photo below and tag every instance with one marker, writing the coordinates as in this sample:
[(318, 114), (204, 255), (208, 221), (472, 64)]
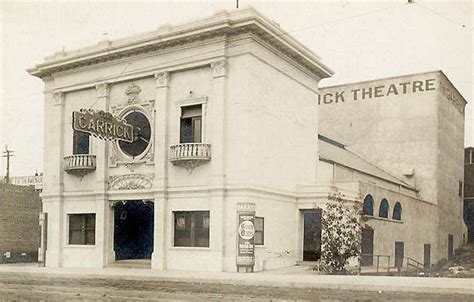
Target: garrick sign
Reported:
[(102, 125)]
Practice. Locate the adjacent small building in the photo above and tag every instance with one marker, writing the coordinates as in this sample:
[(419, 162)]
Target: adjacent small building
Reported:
[(469, 192), (19, 223)]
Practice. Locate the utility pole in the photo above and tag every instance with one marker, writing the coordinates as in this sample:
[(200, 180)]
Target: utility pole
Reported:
[(7, 153), (237, 4)]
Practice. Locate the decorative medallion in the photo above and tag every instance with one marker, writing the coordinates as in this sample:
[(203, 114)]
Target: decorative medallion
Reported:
[(131, 182), (132, 93)]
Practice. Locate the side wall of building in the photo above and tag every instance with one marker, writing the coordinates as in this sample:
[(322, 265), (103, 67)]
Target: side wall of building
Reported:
[(391, 122), (450, 169), (19, 223)]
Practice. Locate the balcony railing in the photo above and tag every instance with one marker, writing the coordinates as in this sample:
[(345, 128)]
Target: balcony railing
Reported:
[(190, 155), (79, 164)]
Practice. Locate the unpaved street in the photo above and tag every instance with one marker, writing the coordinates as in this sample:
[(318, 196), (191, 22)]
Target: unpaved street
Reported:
[(37, 287)]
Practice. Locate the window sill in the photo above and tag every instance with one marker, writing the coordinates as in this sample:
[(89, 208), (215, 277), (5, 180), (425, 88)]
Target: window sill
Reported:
[(190, 248), (382, 219), (259, 246), (80, 246)]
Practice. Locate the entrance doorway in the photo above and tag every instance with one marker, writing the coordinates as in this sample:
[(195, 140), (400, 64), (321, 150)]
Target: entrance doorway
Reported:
[(399, 254), (427, 256), (312, 235), (133, 231), (367, 250)]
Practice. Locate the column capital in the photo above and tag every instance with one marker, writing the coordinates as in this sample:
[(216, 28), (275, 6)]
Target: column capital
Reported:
[(103, 89), (219, 68), (58, 98), (162, 79)]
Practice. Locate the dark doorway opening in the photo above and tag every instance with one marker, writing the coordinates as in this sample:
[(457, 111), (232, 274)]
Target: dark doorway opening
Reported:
[(399, 254), (367, 251), (133, 231), (427, 256), (450, 246), (312, 235)]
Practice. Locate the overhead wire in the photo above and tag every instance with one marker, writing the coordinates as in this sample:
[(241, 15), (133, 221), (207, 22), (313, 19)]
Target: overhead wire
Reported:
[(434, 12)]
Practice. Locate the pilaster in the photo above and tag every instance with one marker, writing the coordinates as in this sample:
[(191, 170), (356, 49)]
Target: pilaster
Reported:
[(103, 213), (217, 137), (161, 169), (53, 176)]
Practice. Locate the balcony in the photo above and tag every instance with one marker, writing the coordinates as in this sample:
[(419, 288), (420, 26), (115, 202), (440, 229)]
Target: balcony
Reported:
[(190, 155), (79, 164)]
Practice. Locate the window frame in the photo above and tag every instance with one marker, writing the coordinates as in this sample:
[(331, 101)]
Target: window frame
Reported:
[(400, 211), (84, 228), (192, 100), (206, 224), (384, 201), (262, 231), (372, 205), (196, 139), (75, 142)]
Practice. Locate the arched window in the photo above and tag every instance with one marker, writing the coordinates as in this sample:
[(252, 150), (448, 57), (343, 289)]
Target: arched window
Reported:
[(397, 211), (368, 205), (383, 210)]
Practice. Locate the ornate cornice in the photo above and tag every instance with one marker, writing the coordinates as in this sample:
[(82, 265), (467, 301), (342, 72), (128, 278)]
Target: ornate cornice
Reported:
[(222, 24)]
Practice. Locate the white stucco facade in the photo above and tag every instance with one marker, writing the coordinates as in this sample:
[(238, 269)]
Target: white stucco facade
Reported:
[(256, 91)]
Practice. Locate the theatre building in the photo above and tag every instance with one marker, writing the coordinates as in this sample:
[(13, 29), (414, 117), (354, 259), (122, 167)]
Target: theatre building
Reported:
[(195, 147), (413, 128), (215, 105)]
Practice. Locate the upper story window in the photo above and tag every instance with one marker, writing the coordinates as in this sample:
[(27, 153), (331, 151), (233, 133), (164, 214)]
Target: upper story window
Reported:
[(81, 142), (368, 208), (383, 210), (141, 134), (191, 124), (397, 211)]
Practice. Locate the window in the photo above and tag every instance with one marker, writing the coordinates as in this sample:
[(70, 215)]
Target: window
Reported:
[(82, 229), (80, 142), (191, 124), (259, 231), (141, 134), (368, 207), (397, 211), (191, 229), (460, 188), (383, 210)]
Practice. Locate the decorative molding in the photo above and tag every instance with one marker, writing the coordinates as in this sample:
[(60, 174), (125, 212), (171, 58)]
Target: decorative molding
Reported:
[(103, 90), (132, 93), (131, 182), (117, 157), (192, 99), (58, 98), (162, 79), (219, 68), (234, 24)]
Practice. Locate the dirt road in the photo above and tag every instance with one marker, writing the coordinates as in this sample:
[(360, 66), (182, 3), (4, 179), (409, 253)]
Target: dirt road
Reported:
[(37, 287)]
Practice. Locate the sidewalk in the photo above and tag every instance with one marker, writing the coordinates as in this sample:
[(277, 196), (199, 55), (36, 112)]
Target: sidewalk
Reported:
[(296, 277)]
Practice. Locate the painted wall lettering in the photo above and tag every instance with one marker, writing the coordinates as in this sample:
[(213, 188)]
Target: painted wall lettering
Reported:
[(368, 93)]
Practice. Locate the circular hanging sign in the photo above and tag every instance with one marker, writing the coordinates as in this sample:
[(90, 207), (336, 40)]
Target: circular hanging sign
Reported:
[(246, 230)]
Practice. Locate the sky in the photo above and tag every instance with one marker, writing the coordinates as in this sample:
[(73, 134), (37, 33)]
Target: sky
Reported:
[(359, 40)]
